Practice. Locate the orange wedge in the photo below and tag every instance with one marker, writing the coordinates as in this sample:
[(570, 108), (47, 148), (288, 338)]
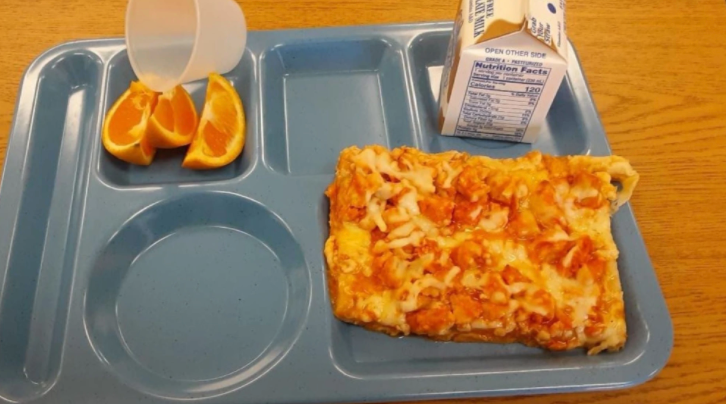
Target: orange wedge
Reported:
[(174, 120), (124, 130), (220, 136)]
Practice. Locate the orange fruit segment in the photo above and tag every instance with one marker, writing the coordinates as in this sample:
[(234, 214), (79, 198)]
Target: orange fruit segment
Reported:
[(124, 129), (220, 137), (174, 120)]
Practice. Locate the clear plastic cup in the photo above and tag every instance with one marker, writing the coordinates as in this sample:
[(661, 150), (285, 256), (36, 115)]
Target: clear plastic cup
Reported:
[(171, 42)]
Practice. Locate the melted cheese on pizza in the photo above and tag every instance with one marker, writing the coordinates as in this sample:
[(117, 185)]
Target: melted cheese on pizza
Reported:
[(455, 247)]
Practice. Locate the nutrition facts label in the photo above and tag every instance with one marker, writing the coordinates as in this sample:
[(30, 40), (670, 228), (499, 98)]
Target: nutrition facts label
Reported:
[(500, 99)]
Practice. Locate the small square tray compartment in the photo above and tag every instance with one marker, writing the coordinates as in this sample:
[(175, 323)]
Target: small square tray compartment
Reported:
[(167, 163), (354, 88)]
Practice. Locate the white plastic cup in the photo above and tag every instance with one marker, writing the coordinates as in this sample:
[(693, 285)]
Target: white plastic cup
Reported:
[(172, 42)]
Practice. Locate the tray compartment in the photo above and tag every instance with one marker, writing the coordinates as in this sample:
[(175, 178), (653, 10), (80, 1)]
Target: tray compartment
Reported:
[(228, 313), (166, 168), (369, 355), (34, 298), (427, 54), (320, 97)]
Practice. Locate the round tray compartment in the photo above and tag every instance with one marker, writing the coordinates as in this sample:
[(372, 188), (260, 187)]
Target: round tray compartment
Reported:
[(197, 296)]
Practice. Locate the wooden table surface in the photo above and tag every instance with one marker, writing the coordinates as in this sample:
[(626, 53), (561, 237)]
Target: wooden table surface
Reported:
[(657, 70)]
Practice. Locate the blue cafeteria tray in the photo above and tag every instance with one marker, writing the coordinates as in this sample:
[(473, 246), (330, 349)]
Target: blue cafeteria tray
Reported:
[(123, 283)]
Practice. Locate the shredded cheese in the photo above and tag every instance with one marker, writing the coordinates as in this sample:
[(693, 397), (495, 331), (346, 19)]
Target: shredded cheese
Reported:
[(476, 273)]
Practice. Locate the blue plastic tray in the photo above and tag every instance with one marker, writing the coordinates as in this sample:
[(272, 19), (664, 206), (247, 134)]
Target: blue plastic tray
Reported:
[(124, 283)]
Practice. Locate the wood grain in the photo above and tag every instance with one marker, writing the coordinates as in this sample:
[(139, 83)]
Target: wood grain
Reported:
[(656, 70)]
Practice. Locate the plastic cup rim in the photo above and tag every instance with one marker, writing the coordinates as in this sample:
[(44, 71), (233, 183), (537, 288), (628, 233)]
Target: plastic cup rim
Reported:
[(132, 57)]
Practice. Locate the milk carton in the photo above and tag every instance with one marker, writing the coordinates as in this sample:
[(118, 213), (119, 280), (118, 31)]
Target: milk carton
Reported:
[(505, 62)]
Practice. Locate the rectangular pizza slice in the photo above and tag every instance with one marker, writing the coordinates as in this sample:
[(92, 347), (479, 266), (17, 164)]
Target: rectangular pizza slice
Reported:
[(467, 248)]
